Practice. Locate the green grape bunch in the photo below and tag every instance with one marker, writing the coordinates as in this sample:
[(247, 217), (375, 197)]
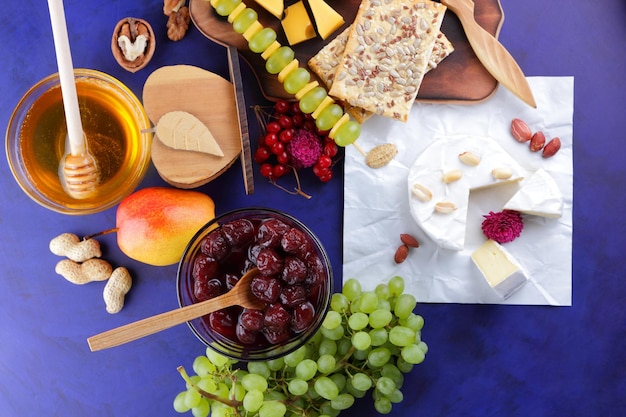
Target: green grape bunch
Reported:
[(367, 342)]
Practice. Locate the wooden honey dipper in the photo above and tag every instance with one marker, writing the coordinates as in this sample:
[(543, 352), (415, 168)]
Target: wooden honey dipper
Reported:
[(79, 172)]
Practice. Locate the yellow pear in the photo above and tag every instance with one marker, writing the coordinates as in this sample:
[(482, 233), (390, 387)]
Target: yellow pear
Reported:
[(155, 224)]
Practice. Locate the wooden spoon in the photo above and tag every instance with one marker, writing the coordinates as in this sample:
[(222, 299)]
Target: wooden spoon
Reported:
[(239, 295)]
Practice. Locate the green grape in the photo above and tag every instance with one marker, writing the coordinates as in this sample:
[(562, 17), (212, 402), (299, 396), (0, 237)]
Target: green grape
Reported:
[(347, 133), (334, 334), (361, 340), (378, 357), (327, 409), (405, 303), (339, 302), (219, 409), (244, 19), (253, 400), (207, 384), (379, 336), (274, 395), (254, 381), (259, 368), (382, 291), (384, 305), (390, 370), (279, 59), (203, 366), (412, 354), (326, 388), (327, 347), (329, 116), (298, 386), (385, 385), (343, 346), (423, 346), (261, 40), (355, 305), (306, 369), (276, 364), (326, 363), (222, 390), (404, 366), (361, 381), (332, 320), (179, 402), (342, 402), (312, 99), (294, 358), (414, 322), (296, 79), (368, 302), (396, 285), (340, 380), (216, 359), (382, 405), (272, 409), (226, 7), (396, 396), (401, 336), (361, 355), (202, 409), (192, 398), (358, 321), (193, 380), (380, 318), (237, 391), (351, 289), (353, 391)]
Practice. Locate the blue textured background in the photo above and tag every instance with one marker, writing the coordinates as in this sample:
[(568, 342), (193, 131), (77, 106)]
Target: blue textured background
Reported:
[(483, 360)]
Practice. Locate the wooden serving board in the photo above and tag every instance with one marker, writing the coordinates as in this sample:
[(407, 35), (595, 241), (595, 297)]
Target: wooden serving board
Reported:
[(193, 90), (459, 78)]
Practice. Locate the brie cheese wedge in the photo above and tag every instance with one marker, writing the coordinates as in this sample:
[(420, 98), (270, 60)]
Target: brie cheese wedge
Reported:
[(539, 195), (442, 177), (501, 271)]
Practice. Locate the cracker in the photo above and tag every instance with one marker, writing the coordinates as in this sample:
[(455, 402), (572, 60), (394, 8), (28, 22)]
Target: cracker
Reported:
[(387, 54)]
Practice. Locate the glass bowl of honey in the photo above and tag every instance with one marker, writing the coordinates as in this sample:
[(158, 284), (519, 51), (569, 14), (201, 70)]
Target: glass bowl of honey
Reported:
[(117, 130)]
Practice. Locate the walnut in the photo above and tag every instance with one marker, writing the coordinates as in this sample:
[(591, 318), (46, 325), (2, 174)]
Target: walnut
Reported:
[(178, 23), (172, 6), (133, 43)]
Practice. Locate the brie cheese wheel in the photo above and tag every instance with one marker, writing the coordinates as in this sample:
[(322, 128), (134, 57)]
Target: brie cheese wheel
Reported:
[(501, 271), (539, 195), (438, 197)]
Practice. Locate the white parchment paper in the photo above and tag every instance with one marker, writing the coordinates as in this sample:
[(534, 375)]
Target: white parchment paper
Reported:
[(376, 208)]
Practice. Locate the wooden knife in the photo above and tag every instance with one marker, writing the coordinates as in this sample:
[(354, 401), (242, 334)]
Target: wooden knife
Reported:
[(494, 57)]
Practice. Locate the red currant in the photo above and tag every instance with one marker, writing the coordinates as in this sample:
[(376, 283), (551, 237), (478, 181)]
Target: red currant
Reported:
[(285, 122), (271, 139), (319, 171), (283, 158), (298, 120), (261, 154), (309, 124), (273, 127), (330, 148), (278, 148), (282, 106), (327, 176), (324, 161), (286, 135), (279, 170), (295, 108), (267, 170)]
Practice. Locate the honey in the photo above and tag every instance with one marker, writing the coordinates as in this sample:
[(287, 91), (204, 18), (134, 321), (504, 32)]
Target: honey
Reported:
[(113, 126)]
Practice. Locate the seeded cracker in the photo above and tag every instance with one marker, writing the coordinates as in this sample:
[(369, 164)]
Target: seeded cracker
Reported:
[(387, 55), (326, 62)]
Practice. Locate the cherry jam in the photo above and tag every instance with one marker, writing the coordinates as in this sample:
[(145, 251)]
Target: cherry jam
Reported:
[(293, 280)]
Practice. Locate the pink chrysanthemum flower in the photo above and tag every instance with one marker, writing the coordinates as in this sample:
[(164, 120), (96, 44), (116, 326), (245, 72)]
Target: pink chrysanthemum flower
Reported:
[(305, 149), (504, 226)]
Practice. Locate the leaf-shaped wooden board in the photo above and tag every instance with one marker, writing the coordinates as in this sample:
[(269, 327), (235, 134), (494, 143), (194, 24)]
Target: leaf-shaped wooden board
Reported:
[(195, 91), (459, 78)]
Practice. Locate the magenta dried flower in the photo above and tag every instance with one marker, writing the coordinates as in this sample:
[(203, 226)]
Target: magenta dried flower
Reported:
[(305, 149), (504, 226)]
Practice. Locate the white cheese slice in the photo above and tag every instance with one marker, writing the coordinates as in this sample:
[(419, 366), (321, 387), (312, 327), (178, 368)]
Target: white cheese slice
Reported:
[(539, 195), (183, 131), (446, 226), (501, 271)]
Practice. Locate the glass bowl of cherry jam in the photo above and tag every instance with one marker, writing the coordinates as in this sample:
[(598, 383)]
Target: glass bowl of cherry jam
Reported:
[(294, 282)]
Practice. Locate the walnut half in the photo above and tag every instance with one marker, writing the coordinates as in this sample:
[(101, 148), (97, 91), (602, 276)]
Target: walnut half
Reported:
[(178, 23), (133, 43)]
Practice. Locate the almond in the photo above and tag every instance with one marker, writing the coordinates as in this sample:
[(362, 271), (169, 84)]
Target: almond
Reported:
[(551, 148), (409, 240), (520, 130), (401, 253), (537, 141)]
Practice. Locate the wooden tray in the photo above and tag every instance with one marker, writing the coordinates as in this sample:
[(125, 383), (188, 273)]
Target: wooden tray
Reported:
[(459, 78), (191, 89)]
